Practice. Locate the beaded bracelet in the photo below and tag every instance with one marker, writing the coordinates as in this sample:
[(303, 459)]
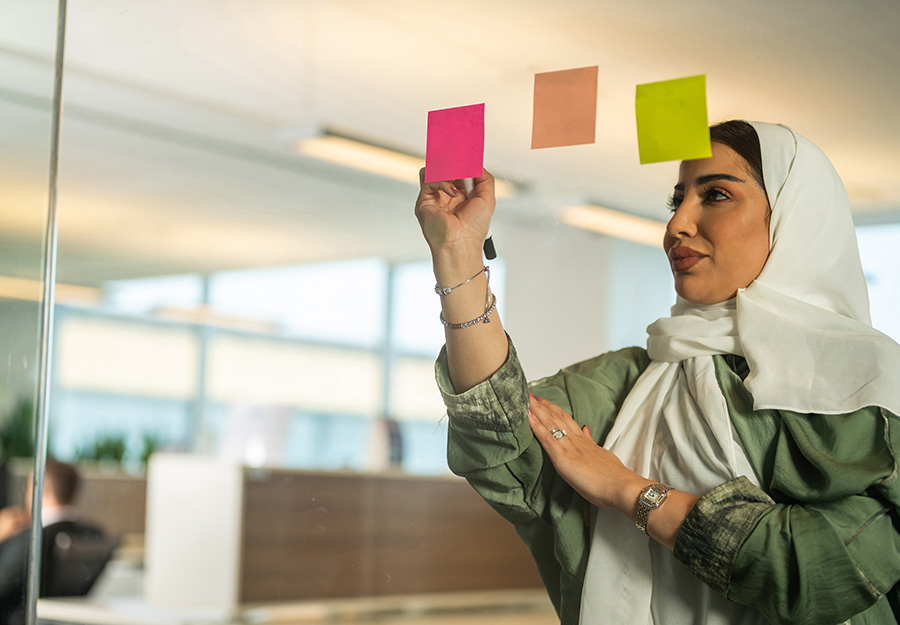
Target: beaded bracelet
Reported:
[(446, 290), (466, 324)]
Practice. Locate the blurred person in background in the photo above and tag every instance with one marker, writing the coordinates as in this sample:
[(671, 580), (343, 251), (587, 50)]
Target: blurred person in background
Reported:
[(74, 552)]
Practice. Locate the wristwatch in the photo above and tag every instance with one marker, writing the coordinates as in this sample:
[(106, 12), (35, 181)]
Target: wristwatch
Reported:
[(651, 497)]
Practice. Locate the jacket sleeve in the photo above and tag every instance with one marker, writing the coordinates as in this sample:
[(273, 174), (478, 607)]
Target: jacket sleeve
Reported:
[(821, 544), (491, 444), (490, 441)]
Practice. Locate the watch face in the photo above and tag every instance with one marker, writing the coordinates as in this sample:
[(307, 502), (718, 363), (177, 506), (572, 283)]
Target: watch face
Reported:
[(653, 495)]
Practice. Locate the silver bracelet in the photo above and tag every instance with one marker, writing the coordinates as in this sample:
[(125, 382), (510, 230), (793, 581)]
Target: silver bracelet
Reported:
[(466, 324), (446, 290)]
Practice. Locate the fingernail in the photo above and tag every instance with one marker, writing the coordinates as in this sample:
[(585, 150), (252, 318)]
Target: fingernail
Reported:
[(454, 190)]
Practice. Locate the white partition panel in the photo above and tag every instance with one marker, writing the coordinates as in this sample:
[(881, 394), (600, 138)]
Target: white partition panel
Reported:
[(193, 532)]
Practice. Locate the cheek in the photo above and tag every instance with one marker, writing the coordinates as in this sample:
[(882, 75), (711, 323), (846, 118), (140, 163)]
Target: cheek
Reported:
[(750, 248)]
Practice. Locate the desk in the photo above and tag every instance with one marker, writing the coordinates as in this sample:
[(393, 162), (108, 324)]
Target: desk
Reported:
[(222, 536), (513, 607)]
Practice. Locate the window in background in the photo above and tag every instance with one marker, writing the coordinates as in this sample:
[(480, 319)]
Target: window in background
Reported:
[(321, 379), (121, 386), (249, 371), (148, 295), (879, 249), (416, 336), (341, 302), (415, 328)]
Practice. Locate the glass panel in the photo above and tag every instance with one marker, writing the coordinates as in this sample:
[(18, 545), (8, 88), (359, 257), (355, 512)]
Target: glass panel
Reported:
[(153, 295), (27, 52), (98, 355), (243, 375), (334, 302), (313, 378), (879, 250), (416, 306), (414, 395)]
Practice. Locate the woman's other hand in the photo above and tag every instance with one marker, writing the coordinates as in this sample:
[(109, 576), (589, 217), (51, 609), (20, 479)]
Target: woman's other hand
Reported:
[(599, 476), (452, 221), (596, 473)]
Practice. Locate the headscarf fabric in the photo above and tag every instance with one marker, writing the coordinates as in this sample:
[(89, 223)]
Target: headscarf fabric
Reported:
[(803, 325)]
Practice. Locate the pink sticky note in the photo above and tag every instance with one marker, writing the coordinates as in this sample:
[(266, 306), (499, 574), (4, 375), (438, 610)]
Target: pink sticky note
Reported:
[(455, 144)]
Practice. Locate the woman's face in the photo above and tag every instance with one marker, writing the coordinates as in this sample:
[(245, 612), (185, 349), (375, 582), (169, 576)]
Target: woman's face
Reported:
[(717, 239)]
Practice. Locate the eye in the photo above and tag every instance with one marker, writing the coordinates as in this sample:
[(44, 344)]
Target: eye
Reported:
[(674, 202), (715, 195)]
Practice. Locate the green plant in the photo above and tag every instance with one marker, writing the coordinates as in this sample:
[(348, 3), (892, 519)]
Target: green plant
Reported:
[(150, 445), (104, 448), (17, 431)]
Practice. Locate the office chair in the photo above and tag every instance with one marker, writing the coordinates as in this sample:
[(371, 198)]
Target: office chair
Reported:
[(74, 556)]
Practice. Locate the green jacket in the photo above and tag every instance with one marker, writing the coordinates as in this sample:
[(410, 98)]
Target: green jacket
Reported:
[(819, 545)]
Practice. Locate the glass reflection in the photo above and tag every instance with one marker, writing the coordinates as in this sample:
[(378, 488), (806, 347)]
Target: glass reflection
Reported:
[(243, 374), (238, 364), (27, 53)]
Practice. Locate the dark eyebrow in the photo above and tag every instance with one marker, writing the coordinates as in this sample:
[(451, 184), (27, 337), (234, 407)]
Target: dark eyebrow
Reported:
[(709, 178)]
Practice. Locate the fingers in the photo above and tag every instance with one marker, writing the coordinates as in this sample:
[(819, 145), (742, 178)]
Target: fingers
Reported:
[(446, 186), (544, 435), (548, 413), (483, 185), (545, 416), (540, 431), (451, 188)]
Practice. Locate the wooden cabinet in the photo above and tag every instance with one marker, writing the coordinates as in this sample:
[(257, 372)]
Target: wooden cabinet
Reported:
[(279, 535)]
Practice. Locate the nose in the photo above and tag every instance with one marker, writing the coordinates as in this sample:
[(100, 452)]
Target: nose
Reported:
[(683, 222)]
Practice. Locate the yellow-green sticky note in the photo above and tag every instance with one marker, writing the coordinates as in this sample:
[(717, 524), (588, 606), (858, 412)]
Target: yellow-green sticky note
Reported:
[(671, 120)]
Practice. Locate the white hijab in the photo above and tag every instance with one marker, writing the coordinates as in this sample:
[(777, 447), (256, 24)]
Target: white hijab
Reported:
[(803, 324)]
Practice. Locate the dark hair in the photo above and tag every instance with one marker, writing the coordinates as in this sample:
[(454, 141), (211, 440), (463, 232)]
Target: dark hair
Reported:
[(63, 479), (742, 138)]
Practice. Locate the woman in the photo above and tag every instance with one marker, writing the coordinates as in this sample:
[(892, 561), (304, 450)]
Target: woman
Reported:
[(754, 441)]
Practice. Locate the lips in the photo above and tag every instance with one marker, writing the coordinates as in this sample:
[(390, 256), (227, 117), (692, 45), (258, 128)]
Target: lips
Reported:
[(683, 258)]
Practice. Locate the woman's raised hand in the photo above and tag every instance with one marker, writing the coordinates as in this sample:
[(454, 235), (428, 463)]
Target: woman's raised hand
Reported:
[(452, 221), (455, 224)]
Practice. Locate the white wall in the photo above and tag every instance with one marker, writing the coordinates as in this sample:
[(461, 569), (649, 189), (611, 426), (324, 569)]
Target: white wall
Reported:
[(641, 290), (572, 294)]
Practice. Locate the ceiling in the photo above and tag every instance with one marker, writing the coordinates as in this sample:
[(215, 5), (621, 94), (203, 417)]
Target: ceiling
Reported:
[(180, 115)]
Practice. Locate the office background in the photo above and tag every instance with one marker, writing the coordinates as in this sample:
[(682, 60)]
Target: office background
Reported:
[(227, 291)]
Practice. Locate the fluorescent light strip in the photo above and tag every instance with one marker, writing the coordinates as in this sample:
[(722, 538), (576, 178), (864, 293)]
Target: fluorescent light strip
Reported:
[(32, 291), (374, 159), (615, 224), (362, 156)]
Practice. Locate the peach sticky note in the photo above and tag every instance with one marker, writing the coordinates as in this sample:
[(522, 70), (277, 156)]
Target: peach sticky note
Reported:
[(671, 120), (565, 108), (455, 144)]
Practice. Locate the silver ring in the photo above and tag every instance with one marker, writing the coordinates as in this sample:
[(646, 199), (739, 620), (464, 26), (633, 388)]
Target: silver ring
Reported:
[(557, 433)]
